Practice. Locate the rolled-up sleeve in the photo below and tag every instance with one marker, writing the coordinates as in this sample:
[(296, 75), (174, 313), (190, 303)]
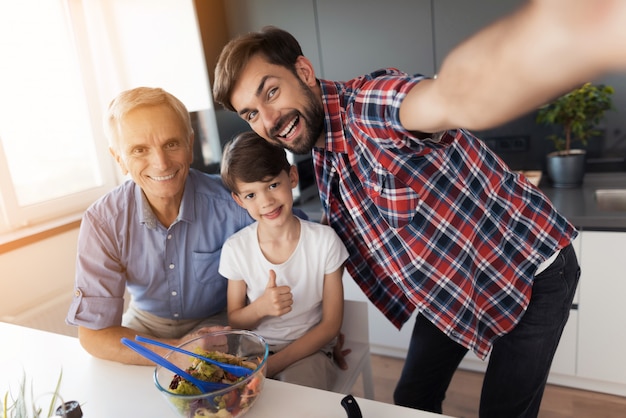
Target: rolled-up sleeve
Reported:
[(100, 282), (95, 312)]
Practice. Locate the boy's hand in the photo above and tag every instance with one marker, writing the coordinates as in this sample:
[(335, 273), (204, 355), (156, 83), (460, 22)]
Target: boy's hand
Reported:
[(339, 353), (276, 300)]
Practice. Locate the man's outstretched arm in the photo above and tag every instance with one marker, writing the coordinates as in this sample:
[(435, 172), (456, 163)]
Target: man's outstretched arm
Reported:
[(519, 63)]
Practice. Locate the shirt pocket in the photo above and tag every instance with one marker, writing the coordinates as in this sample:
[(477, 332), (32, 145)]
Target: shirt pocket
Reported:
[(397, 203), (205, 267)]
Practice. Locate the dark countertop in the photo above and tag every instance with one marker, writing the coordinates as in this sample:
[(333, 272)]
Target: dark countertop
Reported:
[(578, 205)]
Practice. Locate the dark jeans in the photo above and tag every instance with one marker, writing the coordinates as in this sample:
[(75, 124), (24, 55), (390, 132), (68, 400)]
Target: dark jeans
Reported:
[(519, 362)]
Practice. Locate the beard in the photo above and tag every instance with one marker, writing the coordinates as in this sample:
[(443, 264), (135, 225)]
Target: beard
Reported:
[(312, 116)]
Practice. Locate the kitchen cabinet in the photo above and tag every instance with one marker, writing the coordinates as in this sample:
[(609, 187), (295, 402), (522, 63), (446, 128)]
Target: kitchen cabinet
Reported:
[(296, 17), (358, 38), (590, 355), (564, 362), (602, 321), (344, 38), (385, 339), (454, 20)]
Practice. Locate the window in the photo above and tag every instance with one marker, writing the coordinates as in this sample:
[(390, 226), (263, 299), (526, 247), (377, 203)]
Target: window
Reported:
[(62, 62), (52, 149)]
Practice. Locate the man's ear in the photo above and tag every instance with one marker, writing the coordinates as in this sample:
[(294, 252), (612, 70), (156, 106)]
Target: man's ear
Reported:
[(119, 161), (305, 71), (191, 138)]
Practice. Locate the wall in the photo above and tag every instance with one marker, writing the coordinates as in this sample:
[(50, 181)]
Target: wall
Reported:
[(35, 273)]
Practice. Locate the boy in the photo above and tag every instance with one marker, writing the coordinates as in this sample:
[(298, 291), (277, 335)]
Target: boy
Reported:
[(285, 274)]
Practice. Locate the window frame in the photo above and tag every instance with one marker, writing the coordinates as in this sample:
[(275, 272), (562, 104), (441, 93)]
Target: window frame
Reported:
[(108, 66), (17, 221)]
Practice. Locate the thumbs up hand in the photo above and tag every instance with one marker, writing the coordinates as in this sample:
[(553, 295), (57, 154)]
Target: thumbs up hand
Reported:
[(276, 300)]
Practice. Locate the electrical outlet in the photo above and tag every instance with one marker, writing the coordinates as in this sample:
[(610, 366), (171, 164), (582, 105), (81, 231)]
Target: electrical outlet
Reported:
[(509, 143)]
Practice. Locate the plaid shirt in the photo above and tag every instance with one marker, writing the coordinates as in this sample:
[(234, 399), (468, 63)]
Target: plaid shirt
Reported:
[(441, 224)]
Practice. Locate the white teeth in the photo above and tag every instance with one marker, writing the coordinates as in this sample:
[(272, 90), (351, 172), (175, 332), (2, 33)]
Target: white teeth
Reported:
[(288, 128), (164, 178)]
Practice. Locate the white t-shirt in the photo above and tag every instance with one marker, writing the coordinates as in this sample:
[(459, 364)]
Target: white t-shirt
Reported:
[(319, 252)]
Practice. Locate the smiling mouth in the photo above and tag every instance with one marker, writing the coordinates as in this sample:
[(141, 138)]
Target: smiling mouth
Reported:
[(273, 214), (289, 129), (163, 178)]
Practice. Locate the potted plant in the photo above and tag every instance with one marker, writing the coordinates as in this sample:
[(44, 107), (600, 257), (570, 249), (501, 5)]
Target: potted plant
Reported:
[(578, 114), (24, 404)]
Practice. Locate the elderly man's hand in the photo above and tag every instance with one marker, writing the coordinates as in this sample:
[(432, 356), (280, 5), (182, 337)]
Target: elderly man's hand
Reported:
[(212, 342), (206, 330)]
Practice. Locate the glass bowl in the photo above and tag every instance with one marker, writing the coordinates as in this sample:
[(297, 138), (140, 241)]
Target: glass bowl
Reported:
[(233, 401)]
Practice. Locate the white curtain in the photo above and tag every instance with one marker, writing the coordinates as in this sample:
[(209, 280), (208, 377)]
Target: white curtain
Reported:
[(153, 43)]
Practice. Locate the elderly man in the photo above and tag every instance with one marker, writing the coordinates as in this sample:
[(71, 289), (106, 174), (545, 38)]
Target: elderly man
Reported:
[(159, 236)]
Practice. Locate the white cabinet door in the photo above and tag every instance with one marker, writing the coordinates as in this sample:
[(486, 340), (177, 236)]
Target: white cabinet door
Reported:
[(602, 309), (577, 244), (564, 362), (385, 338)]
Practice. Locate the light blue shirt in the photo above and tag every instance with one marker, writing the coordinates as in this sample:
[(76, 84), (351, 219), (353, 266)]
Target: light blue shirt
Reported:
[(170, 272)]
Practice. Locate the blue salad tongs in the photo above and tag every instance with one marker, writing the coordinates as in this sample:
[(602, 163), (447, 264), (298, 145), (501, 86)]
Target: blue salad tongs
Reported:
[(238, 371), (204, 386)]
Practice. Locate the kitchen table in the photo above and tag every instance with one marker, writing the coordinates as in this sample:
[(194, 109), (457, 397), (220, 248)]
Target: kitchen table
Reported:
[(109, 389)]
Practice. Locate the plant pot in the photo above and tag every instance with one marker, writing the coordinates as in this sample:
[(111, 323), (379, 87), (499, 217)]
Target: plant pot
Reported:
[(566, 170)]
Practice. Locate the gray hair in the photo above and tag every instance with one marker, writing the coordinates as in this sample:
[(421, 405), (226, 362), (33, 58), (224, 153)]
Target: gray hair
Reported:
[(129, 100)]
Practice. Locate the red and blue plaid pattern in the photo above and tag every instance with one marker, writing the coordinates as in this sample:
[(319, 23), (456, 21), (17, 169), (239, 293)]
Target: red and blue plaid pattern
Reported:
[(440, 224)]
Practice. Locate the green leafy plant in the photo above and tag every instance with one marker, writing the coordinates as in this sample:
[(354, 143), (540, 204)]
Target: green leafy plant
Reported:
[(24, 404), (577, 113)]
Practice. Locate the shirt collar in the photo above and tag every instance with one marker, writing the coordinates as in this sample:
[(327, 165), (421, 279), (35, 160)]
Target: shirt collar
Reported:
[(146, 215), (186, 212), (334, 116)]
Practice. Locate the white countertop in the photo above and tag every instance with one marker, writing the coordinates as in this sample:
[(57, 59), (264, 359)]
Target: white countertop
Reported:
[(107, 389)]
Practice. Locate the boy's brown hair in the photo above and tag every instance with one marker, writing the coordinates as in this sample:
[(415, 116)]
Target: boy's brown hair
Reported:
[(248, 158), (277, 46)]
